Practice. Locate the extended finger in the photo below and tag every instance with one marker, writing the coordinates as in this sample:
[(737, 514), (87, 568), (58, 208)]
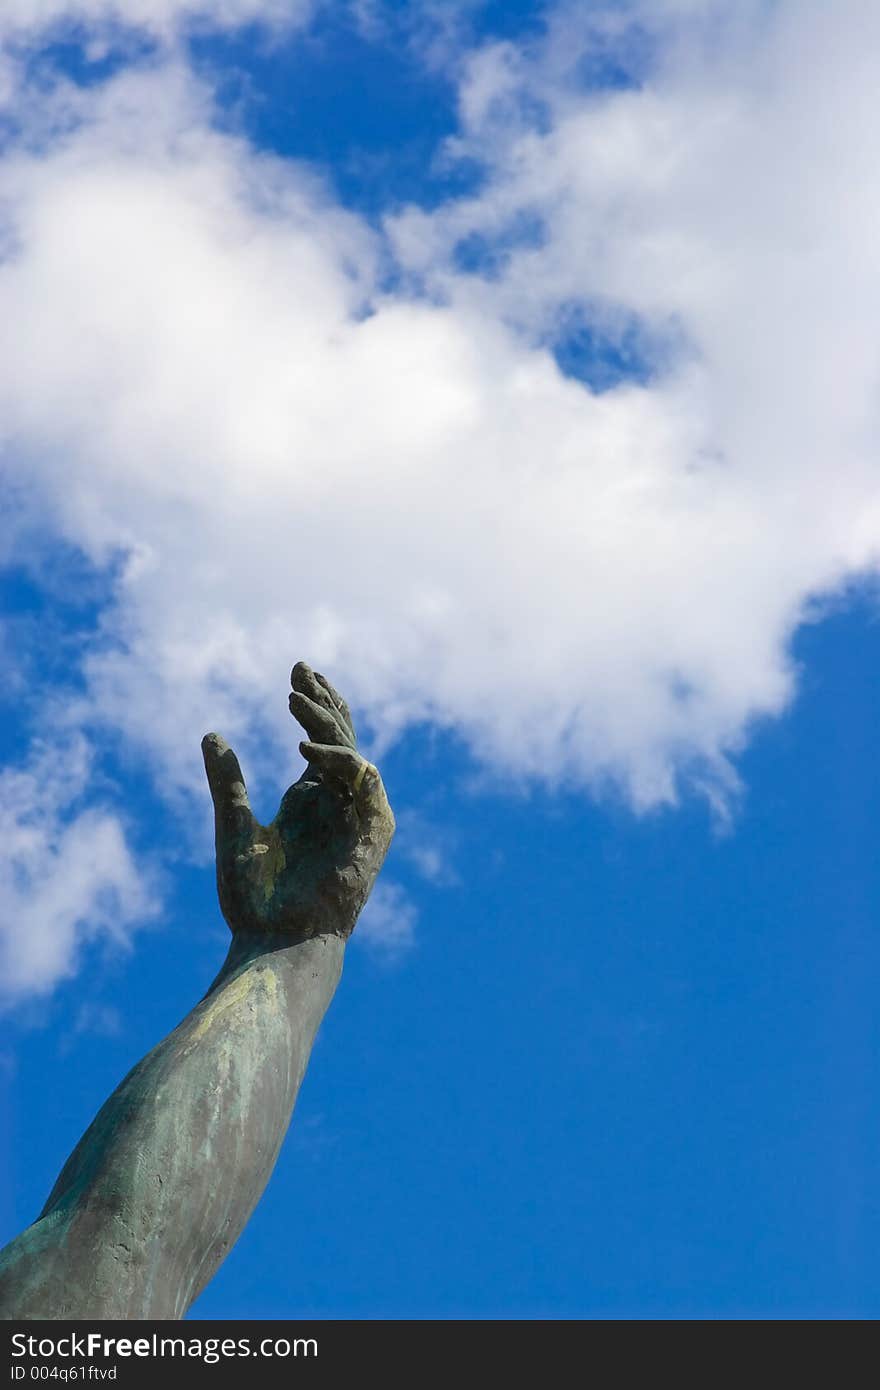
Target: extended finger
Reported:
[(305, 680), (322, 726), (338, 701), (228, 790), (313, 685)]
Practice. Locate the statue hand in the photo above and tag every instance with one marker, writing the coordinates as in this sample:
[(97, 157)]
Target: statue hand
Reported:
[(309, 872)]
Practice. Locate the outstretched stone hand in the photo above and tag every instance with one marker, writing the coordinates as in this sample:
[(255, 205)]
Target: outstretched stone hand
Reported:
[(164, 1179), (310, 872)]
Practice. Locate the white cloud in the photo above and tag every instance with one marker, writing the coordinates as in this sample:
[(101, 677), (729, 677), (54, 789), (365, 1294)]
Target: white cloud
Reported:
[(104, 1020), (67, 875), (585, 587), (27, 18), (387, 923), (428, 846)]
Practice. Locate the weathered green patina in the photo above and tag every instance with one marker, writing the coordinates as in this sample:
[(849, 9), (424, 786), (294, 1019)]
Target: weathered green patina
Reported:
[(165, 1178)]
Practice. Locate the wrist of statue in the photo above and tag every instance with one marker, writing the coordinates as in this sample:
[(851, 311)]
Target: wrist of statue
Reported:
[(262, 949)]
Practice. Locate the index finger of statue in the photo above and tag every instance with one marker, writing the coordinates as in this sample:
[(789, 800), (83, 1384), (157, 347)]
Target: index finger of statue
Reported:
[(321, 725), (227, 785)]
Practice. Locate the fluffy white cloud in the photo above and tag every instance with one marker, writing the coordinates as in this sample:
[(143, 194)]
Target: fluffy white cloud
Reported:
[(67, 875), (202, 381), (387, 923), (24, 18)]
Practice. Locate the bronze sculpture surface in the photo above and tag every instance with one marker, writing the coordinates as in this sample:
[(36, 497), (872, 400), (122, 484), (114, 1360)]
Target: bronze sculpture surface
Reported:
[(165, 1178)]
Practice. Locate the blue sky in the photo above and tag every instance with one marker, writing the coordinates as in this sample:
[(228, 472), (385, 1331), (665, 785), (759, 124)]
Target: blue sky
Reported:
[(517, 366)]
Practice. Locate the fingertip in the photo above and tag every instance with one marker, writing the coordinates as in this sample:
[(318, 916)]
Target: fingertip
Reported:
[(301, 671), (213, 746)]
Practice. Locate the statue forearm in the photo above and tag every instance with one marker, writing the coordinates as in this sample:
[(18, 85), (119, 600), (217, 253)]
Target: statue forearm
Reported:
[(164, 1180)]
